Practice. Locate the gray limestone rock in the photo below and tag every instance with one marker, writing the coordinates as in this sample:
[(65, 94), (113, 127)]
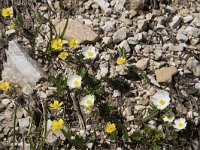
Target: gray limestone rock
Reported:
[(20, 68)]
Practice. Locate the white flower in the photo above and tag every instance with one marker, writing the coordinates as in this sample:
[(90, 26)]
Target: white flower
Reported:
[(89, 52), (87, 101), (168, 117), (161, 99), (74, 81), (87, 110), (180, 123)]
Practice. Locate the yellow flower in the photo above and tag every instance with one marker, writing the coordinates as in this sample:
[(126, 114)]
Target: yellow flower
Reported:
[(110, 127), (121, 60), (4, 86), (12, 25), (63, 55), (6, 12), (57, 125), (56, 44), (55, 105), (73, 43)]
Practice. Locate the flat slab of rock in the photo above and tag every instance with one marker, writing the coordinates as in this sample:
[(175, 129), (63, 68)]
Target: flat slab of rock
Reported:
[(165, 74), (20, 68), (77, 30)]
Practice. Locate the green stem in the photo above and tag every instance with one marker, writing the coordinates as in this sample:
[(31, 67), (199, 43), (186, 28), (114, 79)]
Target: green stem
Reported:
[(152, 114), (14, 132)]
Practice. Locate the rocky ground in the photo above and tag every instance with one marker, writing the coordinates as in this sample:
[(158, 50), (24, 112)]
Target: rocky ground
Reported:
[(162, 50)]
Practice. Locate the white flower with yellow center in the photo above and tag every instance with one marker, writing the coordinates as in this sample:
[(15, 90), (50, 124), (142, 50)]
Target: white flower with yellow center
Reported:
[(74, 81), (180, 123), (88, 101), (89, 52), (87, 110), (168, 117), (161, 99)]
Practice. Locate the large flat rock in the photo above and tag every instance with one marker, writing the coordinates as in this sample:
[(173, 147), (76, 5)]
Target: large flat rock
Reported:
[(20, 68), (77, 30)]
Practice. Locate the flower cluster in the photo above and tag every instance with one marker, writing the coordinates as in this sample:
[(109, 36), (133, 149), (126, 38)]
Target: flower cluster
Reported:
[(161, 100), (57, 45), (57, 124), (87, 103)]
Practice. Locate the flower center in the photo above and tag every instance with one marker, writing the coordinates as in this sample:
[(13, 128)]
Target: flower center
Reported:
[(76, 83), (180, 124), (88, 102), (162, 102), (90, 54), (169, 117)]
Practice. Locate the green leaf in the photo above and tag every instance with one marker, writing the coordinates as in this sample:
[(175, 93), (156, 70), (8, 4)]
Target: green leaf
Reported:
[(136, 136), (155, 147), (151, 116), (147, 129), (113, 136), (82, 72), (106, 111), (125, 134), (67, 134), (158, 135), (65, 27), (19, 21), (79, 142)]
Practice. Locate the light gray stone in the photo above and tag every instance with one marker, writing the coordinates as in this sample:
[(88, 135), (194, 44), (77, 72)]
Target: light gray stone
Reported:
[(194, 66), (135, 4), (24, 122), (122, 70), (20, 68), (187, 19), (5, 102), (116, 93), (119, 5), (77, 30), (142, 63), (193, 31), (149, 16), (142, 25), (132, 13), (130, 118), (104, 5), (124, 44), (175, 22), (109, 26), (120, 35), (157, 54), (27, 90), (132, 40), (181, 37), (196, 22), (181, 108), (177, 48), (106, 40), (103, 71), (197, 85)]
